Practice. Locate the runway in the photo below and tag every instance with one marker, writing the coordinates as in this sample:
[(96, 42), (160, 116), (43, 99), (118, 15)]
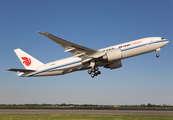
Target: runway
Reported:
[(87, 112)]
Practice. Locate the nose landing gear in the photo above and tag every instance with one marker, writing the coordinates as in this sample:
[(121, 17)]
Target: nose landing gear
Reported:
[(157, 55), (157, 52)]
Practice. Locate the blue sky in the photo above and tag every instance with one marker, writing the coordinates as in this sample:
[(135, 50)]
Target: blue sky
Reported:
[(95, 24)]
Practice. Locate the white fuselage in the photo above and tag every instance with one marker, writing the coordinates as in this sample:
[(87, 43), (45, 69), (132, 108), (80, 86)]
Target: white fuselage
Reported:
[(74, 63)]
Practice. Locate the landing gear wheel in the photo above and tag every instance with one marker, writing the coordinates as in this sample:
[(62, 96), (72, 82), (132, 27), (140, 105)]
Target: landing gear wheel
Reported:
[(98, 72), (96, 68), (157, 55), (95, 74), (92, 75), (92, 70), (89, 72)]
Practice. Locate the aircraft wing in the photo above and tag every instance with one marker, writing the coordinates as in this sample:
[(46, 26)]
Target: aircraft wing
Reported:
[(86, 54), (20, 70)]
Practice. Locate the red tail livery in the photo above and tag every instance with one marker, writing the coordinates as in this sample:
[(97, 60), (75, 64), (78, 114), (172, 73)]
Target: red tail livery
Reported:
[(26, 61)]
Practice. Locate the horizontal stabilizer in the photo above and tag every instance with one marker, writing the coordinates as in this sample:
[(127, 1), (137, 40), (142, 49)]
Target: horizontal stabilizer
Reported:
[(20, 70)]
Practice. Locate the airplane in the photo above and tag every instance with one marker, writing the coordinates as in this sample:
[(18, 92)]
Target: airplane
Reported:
[(86, 58)]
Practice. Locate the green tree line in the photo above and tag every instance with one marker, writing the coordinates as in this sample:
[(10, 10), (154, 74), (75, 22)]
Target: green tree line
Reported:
[(63, 105)]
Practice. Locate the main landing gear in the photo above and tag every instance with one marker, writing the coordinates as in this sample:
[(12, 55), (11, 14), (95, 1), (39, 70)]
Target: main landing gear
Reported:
[(94, 71), (157, 52)]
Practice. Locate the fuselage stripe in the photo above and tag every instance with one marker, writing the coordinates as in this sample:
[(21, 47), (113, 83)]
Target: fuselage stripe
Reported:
[(53, 68)]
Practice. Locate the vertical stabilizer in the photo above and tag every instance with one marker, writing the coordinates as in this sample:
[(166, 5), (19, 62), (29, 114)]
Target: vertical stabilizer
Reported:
[(27, 60)]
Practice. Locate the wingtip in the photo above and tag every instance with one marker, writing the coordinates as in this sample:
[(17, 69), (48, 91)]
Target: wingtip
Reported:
[(39, 32), (9, 69), (43, 33)]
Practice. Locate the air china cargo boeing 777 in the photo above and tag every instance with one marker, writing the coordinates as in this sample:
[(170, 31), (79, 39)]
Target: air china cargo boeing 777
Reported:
[(86, 58)]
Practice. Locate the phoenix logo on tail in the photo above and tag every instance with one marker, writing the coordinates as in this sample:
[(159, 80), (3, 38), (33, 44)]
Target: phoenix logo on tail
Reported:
[(26, 61)]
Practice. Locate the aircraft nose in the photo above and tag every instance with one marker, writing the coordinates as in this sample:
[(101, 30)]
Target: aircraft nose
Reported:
[(165, 43)]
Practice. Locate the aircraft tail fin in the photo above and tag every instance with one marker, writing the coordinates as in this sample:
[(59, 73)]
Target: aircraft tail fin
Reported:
[(27, 60)]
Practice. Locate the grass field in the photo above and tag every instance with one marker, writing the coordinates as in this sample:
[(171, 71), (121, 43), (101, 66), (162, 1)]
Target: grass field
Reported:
[(81, 117)]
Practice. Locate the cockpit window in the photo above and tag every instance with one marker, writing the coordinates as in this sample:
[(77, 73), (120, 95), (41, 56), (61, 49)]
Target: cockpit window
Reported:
[(162, 38)]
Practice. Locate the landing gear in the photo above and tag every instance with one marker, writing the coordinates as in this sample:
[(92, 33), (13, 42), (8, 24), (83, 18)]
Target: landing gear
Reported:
[(94, 71), (89, 71), (157, 52), (98, 72), (157, 55), (95, 74), (92, 75)]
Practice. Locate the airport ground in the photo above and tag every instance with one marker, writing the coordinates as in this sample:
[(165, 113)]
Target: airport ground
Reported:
[(82, 117), (88, 112)]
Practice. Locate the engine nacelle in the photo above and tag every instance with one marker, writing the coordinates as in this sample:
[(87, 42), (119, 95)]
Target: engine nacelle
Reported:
[(113, 55), (114, 65)]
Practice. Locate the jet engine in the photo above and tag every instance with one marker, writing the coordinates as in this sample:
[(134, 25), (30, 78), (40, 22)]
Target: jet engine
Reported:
[(114, 65), (113, 55)]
